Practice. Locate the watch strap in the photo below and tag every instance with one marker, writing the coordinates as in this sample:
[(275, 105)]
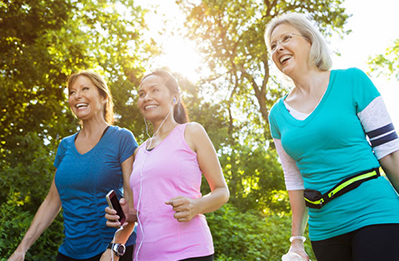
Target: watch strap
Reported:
[(114, 246)]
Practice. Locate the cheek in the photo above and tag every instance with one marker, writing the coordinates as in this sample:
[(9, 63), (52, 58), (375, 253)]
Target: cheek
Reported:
[(274, 58), (70, 102), (139, 104)]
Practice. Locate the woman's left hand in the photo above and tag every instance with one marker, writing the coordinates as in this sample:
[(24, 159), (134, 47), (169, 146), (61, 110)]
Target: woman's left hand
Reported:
[(107, 256), (184, 207)]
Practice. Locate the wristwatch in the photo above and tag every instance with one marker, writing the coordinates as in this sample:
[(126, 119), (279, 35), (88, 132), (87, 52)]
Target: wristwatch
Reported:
[(119, 249)]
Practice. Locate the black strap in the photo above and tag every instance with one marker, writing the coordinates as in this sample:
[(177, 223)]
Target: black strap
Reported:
[(314, 199)]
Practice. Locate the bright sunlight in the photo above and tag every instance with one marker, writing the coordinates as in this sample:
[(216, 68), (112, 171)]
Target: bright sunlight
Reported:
[(179, 54)]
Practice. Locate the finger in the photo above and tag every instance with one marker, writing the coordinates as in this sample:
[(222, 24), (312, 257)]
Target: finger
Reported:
[(181, 208), (182, 214), (183, 219), (110, 211), (175, 200), (178, 201), (113, 224)]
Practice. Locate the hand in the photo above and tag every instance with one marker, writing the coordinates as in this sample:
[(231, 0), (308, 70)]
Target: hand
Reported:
[(17, 256), (107, 256), (298, 248), (184, 207), (112, 217)]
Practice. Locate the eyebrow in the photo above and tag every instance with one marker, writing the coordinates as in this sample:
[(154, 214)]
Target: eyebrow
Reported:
[(149, 87)]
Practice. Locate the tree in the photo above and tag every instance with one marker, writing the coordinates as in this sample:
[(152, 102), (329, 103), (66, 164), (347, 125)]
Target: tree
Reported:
[(387, 63), (230, 35), (41, 43)]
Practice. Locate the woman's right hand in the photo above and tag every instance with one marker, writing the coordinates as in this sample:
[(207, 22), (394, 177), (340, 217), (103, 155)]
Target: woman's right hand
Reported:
[(113, 218), (17, 256), (298, 248)]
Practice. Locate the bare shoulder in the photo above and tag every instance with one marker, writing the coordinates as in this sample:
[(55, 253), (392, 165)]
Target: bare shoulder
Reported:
[(195, 135), (194, 128)]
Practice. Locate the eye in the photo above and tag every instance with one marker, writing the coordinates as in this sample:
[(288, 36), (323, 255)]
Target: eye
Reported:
[(273, 46), (141, 94), (287, 38), (71, 93), (85, 88)]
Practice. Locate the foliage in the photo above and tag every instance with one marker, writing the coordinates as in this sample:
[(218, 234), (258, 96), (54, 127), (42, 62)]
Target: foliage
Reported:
[(42, 42), (389, 61), (230, 35), (251, 235), (255, 179), (14, 224)]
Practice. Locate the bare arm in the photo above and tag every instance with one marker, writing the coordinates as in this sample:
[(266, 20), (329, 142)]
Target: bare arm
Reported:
[(44, 216), (299, 220), (123, 235), (186, 209), (294, 184), (127, 203), (390, 164)]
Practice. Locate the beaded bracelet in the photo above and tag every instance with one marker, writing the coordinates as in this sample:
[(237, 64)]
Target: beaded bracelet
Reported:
[(297, 237)]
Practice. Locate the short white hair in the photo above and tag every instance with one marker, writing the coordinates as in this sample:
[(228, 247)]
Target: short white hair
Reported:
[(319, 52)]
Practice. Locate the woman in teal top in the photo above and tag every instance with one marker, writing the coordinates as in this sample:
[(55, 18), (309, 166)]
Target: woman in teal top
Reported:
[(332, 133)]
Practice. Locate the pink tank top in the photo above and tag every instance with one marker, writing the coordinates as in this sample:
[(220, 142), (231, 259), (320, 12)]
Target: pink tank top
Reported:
[(171, 169)]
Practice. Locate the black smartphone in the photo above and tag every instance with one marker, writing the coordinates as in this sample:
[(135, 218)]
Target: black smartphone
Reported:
[(113, 203)]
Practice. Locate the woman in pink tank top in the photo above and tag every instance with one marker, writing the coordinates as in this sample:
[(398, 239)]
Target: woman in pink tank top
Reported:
[(166, 179)]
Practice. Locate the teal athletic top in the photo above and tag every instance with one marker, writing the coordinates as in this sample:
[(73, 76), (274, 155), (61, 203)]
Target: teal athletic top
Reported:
[(331, 145), (82, 181)]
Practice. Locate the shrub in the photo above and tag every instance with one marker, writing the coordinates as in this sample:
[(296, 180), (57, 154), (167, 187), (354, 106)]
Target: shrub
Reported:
[(14, 224), (250, 236)]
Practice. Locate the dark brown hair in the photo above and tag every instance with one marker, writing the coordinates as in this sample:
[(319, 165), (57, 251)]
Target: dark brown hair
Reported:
[(180, 112)]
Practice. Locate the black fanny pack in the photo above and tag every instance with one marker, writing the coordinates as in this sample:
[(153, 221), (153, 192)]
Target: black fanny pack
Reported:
[(314, 198)]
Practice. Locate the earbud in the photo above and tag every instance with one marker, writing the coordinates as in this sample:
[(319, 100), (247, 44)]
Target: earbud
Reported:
[(174, 99)]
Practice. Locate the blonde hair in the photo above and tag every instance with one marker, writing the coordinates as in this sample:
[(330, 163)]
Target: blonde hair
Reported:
[(319, 52), (100, 83)]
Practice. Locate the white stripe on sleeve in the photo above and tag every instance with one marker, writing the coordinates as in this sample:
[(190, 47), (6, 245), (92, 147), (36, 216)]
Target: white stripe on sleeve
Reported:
[(292, 176)]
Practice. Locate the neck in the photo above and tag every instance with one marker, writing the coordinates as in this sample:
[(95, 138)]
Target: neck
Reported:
[(162, 127), (93, 126), (310, 80)]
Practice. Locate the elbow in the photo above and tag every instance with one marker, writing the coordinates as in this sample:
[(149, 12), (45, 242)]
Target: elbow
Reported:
[(226, 195)]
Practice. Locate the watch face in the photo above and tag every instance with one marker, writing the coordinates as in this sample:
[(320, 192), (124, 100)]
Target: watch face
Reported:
[(120, 248)]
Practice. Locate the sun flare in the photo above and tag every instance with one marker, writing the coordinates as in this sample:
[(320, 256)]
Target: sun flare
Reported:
[(178, 54)]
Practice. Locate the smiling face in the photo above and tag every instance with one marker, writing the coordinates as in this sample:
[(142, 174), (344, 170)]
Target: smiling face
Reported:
[(155, 100), (290, 49), (85, 100)]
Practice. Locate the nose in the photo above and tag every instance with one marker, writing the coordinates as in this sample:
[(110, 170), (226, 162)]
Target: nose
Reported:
[(279, 46), (77, 94), (147, 96)]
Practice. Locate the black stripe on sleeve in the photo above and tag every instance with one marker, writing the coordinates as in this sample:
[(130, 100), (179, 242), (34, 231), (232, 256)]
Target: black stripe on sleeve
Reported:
[(384, 139), (385, 129)]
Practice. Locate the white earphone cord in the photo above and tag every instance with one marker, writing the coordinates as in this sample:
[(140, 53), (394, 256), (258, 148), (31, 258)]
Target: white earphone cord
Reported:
[(113, 242), (141, 178)]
